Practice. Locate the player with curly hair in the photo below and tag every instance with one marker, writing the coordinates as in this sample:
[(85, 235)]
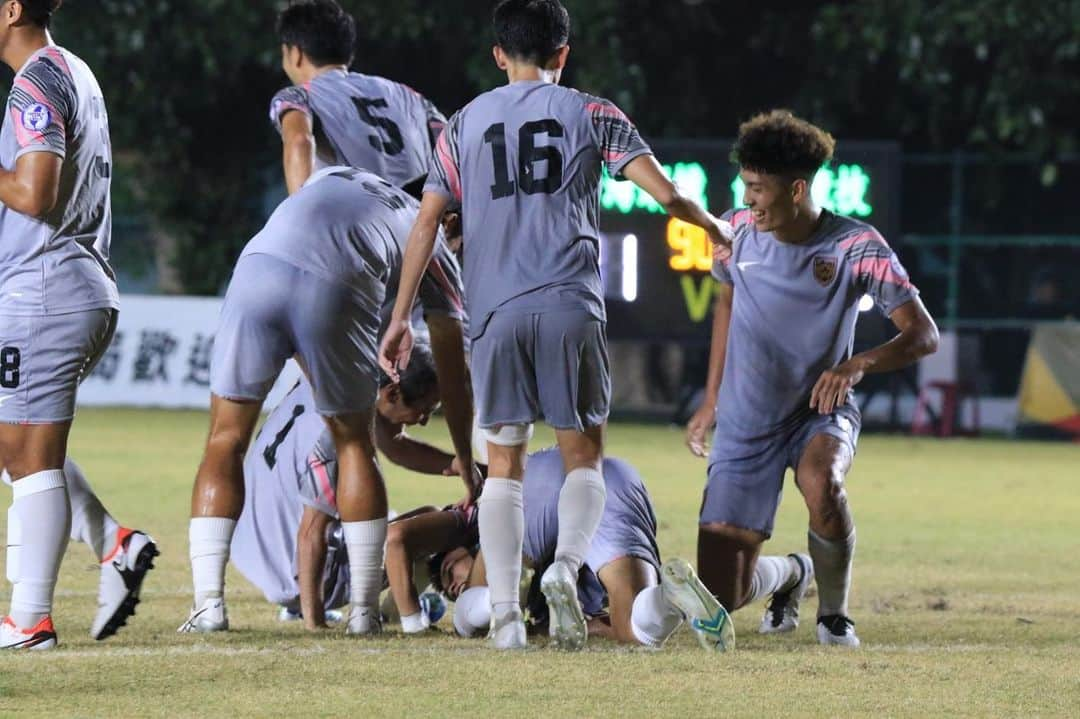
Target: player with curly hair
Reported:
[(781, 375)]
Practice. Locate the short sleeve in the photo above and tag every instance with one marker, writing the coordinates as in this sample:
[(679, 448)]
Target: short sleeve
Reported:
[(877, 271), (721, 265), (616, 137), (41, 104), (444, 177), (442, 291), (318, 483), (436, 121), (290, 98)]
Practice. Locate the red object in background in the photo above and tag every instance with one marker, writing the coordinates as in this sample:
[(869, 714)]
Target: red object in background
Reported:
[(952, 395)]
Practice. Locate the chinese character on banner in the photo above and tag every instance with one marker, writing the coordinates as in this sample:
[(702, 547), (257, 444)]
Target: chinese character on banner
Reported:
[(155, 348), (199, 360), (109, 364), (850, 189)]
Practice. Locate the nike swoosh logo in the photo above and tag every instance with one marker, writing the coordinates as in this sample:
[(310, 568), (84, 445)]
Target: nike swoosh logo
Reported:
[(5, 398), (743, 265)]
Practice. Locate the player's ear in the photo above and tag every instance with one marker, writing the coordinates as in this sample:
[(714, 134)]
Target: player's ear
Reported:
[(799, 189), (559, 61), (500, 57), (12, 12)]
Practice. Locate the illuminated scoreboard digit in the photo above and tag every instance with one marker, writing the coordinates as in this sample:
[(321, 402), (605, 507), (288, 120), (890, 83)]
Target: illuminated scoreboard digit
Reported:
[(656, 268)]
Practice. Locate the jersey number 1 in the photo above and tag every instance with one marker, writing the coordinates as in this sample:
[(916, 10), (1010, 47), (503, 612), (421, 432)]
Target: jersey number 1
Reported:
[(528, 155)]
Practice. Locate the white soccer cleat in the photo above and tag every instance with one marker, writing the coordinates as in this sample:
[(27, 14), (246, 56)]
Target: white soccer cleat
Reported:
[(41, 636), (285, 614), (122, 574), (566, 621), (707, 618), (208, 618), (508, 633), (364, 621), (837, 630), (782, 612)]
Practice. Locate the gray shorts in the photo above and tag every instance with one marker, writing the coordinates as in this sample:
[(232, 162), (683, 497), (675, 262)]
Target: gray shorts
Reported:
[(551, 366), (746, 478), (274, 311), (44, 358)]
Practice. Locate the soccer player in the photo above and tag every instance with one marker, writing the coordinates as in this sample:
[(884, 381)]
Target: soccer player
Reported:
[(646, 603), (331, 116), (58, 297), (524, 162), (311, 284), (781, 375)]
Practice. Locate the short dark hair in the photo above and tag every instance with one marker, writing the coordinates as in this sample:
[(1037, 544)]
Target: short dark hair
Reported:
[(418, 379), (321, 29), (531, 30), (779, 143), (40, 11)]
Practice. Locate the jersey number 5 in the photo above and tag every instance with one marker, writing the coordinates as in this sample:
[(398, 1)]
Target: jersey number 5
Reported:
[(528, 155), (389, 140)]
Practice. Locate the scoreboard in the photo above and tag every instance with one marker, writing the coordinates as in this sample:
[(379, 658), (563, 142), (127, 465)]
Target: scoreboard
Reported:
[(656, 268)]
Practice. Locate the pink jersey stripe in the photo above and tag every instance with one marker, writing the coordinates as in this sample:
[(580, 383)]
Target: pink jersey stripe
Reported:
[(741, 217), (869, 236), (448, 288), (442, 148), (599, 108), (58, 57), (881, 269), (319, 468), (613, 155)]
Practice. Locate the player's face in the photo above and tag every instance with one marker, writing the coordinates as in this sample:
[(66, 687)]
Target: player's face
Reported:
[(454, 572), (392, 407), (771, 199)]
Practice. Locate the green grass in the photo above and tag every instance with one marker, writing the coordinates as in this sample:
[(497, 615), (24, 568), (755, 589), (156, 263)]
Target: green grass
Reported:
[(965, 594)]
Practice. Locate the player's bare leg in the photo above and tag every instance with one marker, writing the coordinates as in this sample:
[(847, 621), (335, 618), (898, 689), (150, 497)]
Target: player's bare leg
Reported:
[(39, 522), (820, 477), (216, 502), (362, 505), (502, 531)]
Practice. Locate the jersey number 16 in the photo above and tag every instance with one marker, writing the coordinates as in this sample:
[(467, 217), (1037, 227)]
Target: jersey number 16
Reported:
[(528, 155)]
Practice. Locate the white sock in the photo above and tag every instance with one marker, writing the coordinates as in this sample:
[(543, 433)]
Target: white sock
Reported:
[(365, 541), (44, 517), (772, 575), (415, 623), (581, 505), (91, 523), (502, 534), (472, 611), (209, 539), (832, 565), (653, 619)]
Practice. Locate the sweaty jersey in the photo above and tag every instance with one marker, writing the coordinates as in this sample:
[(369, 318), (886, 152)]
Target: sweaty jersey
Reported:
[(793, 316), (366, 121), (58, 263), (524, 162), (350, 227)]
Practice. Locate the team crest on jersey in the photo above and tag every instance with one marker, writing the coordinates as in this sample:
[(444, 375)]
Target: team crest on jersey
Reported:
[(36, 117), (824, 270)]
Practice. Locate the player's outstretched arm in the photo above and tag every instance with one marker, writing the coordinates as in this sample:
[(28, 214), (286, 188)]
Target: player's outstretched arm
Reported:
[(297, 149), (455, 391), (645, 172), (33, 186), (408, 452), (701, 424), (918, 338), (310, 565), (407, 539), (397, 340)]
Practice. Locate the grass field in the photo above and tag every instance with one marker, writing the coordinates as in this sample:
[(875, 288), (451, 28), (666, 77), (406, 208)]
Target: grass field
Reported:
[(966, 594)]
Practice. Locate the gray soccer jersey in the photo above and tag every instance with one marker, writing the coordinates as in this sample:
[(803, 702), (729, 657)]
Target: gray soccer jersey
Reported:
[(524, 161), (58, 264), (793, 317), (368, 122)]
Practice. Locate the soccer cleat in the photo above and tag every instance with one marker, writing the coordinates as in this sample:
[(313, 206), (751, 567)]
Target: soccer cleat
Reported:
[(707, 618), (285, 614), (782, 612), (122, 574), (42, 636), (364, 621), (837, 630), (508, 632), (210, 617), (566, 621)]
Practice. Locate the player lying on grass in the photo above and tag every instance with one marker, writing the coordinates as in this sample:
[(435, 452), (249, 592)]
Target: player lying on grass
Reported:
[(124, 555), (645, 602), (288, 540), (311, 285), (781, 375)]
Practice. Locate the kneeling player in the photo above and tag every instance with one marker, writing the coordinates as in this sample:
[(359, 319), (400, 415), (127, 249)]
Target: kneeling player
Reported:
[(781, 376), (646, 603)]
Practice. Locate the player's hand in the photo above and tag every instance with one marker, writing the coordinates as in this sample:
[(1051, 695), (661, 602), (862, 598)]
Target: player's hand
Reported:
[(831, 389), (474, 482), (395, 349), (698, 429)]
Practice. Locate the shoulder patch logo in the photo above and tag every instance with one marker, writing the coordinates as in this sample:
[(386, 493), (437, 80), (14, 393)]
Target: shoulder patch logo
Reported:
[(36, 117), (824, 270)]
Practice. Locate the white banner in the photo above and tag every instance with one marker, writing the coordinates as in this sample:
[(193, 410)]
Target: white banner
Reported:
[(160, 356)]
